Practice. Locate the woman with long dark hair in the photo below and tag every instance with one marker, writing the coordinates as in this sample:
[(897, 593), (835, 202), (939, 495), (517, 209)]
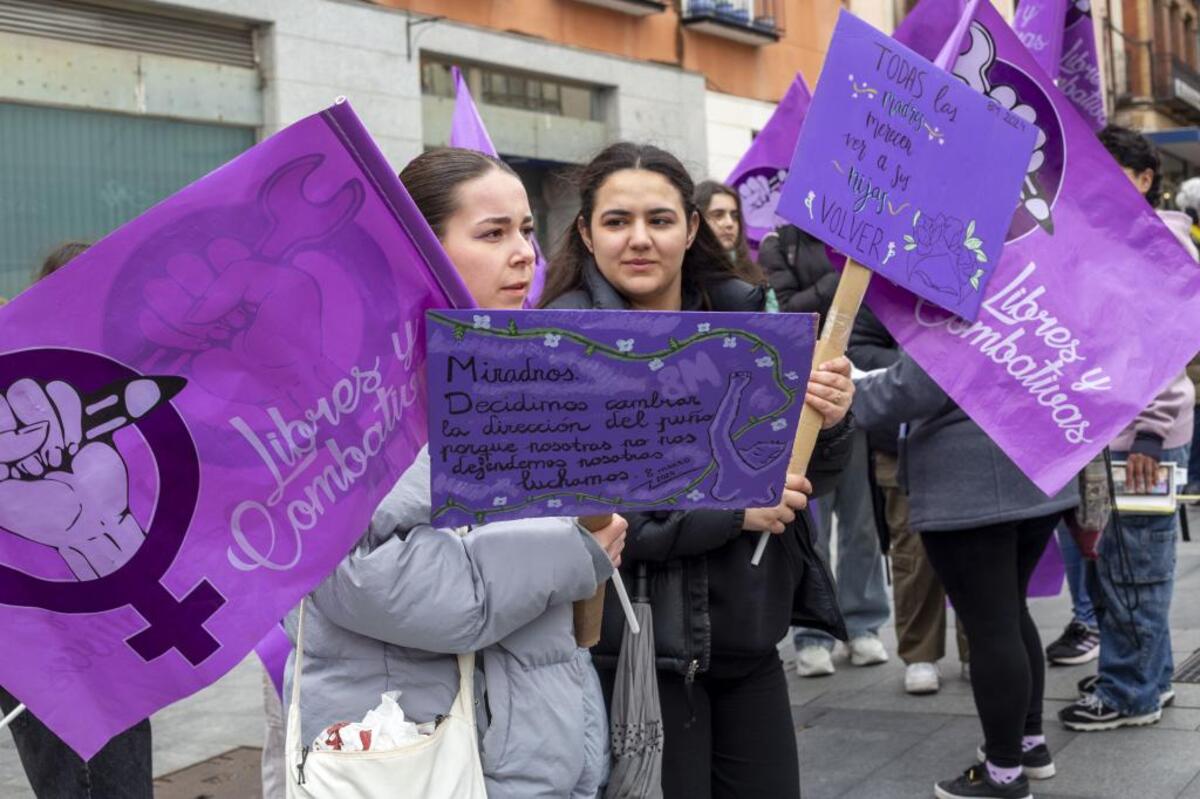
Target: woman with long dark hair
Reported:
[(639, 244)]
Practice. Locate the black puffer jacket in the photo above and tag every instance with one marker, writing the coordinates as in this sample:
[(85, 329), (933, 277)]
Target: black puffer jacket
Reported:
[(799, 270), (705, 596)]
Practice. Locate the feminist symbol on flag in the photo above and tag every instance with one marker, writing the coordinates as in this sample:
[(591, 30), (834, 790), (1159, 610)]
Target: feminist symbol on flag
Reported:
[(1011, 88), (64, 485)]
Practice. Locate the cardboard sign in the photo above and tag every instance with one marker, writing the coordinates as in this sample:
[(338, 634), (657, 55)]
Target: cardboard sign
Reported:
[(906, 170), (557, 413)]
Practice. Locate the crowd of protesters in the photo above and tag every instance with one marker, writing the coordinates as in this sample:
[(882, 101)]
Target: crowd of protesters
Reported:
[(900, 470)]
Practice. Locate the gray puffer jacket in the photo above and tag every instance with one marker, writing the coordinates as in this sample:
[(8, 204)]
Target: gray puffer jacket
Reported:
[(955, 476), (410, 597)]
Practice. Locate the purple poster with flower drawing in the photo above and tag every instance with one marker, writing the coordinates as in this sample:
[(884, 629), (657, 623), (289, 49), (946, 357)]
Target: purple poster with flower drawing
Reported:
[(760, 174), (1092, 309), (198, 417), (903, 168), (557, 413)]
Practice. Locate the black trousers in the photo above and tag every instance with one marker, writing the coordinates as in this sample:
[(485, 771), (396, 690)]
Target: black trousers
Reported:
[(729, 735), (986, 573)]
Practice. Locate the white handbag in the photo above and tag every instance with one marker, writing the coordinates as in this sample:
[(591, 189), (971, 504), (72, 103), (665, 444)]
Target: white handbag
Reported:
[(445, 765)]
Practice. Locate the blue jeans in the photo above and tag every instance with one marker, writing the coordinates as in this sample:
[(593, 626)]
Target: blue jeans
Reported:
[(1136, 586), (1076, 568), (861, 591), (121, 770)]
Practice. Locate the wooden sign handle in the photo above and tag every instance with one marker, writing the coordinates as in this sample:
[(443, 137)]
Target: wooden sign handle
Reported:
[(588, 613), (835, 336)]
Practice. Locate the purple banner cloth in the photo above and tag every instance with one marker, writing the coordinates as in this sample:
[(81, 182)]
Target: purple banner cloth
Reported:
[(200, 415), (1039, 25), (466, 126), (273, 651), (905, 169), (1048, 576), (467, 131), (1062, 38), (1079, 71), (562, 413), (760, 175), (1091, 311)]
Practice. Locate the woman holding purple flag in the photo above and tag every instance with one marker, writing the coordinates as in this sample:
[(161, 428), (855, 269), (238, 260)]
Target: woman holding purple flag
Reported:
[(984, 525), (639, 244), (410, 597)]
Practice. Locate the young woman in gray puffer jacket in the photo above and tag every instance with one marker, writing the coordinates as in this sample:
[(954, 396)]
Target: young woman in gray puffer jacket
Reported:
[(409, 598)]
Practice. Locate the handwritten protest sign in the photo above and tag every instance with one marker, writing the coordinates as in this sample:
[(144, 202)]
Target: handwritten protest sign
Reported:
[(198, 417), (1061, 359), (906, 170), (554, 413)]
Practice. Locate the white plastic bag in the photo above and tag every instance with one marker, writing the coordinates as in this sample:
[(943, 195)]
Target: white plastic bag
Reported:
[(381, 729)]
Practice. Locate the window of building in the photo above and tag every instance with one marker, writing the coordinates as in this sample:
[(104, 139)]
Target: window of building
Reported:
[(499, 86)]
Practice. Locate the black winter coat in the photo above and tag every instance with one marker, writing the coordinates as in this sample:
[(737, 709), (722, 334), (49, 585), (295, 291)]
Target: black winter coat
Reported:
[(799, 270), (705, 596)]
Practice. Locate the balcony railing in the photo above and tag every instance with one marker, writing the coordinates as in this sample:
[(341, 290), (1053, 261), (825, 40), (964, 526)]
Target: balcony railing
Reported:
[(1141, 73), (755, 22)]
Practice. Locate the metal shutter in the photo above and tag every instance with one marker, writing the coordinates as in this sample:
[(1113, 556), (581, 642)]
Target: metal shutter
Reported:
[(209, 39)]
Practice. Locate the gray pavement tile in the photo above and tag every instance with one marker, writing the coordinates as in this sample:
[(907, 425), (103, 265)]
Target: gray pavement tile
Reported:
[(1148, 763), (878, 787), (1192, 791), (826, 770), (915, 724)]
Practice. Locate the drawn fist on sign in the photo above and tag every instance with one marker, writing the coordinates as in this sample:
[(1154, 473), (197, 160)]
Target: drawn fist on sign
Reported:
[(760, 198), (59, 486), (244, 327)]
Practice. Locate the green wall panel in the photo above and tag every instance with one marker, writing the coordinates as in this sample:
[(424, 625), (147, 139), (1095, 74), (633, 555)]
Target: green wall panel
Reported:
[(68, 174)]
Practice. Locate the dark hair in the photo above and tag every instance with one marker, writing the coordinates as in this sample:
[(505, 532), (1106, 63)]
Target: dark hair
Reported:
[(59, 257), (704, 262), (743, 266), (433, 178), (1134, 151)]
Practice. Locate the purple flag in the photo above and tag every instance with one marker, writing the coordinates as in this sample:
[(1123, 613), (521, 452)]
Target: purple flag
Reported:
[(1039, 26), (198, 417), (467, 131), (760, 175), (1048, 575), (273, 651), (905, 169), (466, 126), (562, 413), (1062, 38), (1092, 307), (1079, 70)]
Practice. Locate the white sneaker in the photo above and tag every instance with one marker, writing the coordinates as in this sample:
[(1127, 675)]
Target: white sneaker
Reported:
[(922, 678), (814, 661), (867, 650)]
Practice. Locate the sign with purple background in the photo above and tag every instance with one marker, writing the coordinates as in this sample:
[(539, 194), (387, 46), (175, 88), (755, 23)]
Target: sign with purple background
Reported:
[(198, 417), (760, 175), (1062, 38), (906, 170), (559, 413), (1092, 309)]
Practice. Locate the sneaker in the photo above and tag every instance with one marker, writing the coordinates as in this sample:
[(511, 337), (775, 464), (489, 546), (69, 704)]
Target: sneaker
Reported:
[(976, 784), (1078, 644), (867, 650), (1037, 764), (1090, 714), (922, 678), (814, 661), (1087, 686)]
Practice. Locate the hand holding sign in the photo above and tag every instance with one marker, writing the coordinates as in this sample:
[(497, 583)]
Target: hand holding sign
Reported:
[(909, 172)]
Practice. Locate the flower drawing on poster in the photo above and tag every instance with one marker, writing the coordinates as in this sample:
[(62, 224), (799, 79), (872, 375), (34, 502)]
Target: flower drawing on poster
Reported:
[(944, 254)]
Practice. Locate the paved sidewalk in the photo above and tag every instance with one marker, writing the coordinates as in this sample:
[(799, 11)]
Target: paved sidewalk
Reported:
[(860, 735)]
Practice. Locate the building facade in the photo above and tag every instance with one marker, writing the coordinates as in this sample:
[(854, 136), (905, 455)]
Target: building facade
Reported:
[(107, 106)]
